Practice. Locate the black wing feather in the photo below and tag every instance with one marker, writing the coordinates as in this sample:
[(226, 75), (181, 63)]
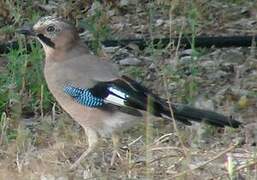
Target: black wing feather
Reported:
[(137, 97)]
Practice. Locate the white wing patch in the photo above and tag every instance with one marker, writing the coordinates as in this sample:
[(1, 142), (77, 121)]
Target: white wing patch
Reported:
[(115, 100), (118, 93), (117, 97)]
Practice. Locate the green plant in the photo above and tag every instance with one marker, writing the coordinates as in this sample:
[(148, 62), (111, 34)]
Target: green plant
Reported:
[(97, 25), (24, 77), (21, 85), (135, 72)]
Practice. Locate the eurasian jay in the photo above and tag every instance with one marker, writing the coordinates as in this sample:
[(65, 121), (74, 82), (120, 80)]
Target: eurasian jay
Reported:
[(94, 94)]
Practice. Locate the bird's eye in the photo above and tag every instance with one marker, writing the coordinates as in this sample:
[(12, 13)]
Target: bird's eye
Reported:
[(50, 29)]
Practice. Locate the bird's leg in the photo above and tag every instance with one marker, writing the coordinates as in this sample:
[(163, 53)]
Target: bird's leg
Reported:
[(92, 139), (115, 141)]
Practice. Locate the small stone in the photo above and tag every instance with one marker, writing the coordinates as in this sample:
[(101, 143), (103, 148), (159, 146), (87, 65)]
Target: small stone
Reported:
[(204, 103), (62, 178), (124, 2), (186, 52), (233, 56), (111, 13), (95, 5), (110, 49), (159, 22), (208, 64), (150, 77), (127, 2), (185, 60), (130, 61), (47, 177), (152, 66)]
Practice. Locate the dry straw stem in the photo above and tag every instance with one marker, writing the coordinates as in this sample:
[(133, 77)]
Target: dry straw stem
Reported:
[(252, 163), (162, 138), (207, 162), (247, 165), (12, 155), (172, 7), (165, 148), (173, 119), (134, 141)]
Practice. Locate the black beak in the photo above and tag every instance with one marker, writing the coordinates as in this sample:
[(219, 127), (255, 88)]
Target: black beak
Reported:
[(26, 30)]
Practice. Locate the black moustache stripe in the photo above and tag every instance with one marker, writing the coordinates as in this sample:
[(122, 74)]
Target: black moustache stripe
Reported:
[(46, 40)]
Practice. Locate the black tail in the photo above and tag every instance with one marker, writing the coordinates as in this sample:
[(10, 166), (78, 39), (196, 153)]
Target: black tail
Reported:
[(137, 97), (185, 113)]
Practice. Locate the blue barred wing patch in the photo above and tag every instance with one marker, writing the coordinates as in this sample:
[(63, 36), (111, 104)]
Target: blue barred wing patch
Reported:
[(84, 96)]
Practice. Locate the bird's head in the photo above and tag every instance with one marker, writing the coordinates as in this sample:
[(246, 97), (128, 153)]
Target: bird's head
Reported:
[(52, 32)]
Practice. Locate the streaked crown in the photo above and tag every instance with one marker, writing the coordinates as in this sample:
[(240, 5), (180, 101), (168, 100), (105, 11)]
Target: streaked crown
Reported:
[(55, 32)]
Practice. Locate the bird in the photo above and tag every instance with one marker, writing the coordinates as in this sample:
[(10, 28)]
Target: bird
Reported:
[(95, 94)]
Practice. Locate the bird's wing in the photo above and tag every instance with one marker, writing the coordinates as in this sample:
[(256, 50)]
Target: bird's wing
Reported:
[(97, 84), (121, 91), (94, 82)]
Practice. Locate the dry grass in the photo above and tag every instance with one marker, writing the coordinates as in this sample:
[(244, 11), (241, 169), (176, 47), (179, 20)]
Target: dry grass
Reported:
[(51, 159)]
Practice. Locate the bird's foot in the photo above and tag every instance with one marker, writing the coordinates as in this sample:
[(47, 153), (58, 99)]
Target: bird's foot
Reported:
[(82, 157), (92, 142), (115, 140), (115, 154)]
